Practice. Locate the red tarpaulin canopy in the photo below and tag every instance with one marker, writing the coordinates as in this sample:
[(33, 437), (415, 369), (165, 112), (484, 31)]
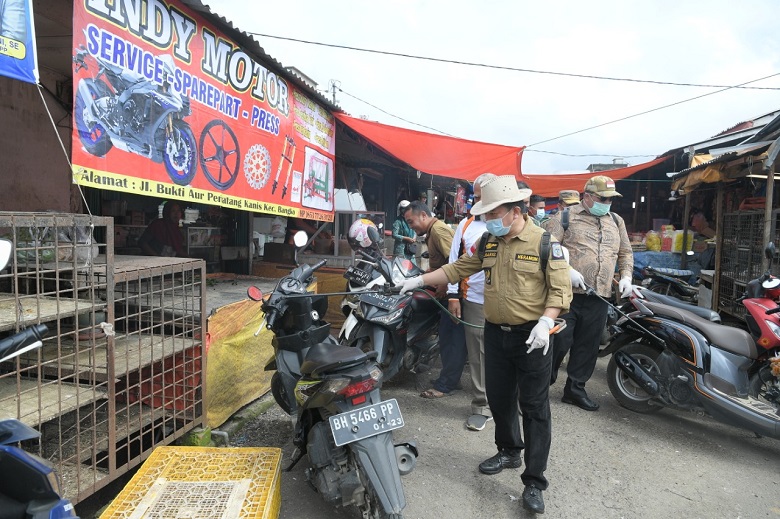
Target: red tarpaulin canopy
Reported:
[(438, 154), (549, 185)]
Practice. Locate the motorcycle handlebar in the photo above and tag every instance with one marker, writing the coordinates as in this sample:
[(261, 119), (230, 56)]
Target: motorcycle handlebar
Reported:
[(16, 342)]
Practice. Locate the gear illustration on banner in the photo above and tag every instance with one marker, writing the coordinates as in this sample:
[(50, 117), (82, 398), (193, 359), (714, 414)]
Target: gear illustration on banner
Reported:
[(257, 166)]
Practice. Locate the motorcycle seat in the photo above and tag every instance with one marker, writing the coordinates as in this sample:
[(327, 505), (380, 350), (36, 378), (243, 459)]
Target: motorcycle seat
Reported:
[(424, 303), (728, 338), (325, 357), (678, 273), (704, 313)]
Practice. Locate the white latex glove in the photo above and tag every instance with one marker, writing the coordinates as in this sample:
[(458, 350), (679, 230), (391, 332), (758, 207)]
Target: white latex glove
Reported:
[(576, 279), (540, 335), (410, 284), (625, 286)]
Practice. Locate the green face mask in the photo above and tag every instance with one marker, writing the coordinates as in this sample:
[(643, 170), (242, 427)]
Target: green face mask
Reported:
[(599, 209)]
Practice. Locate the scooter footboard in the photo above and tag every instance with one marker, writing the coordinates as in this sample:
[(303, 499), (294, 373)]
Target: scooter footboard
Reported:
[(376, 457)]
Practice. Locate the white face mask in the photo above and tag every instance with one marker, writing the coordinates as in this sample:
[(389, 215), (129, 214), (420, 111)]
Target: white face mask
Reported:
[(539, 214)]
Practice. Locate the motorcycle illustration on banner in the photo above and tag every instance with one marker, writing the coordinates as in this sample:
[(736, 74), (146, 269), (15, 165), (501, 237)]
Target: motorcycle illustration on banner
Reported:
[(117, 107)]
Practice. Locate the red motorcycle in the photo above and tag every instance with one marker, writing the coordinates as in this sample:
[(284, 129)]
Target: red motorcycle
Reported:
[(763, 322)]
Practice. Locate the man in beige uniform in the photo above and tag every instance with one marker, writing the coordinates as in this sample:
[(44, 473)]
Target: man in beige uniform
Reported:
[(597, 241), (452, 336), (522, 297)]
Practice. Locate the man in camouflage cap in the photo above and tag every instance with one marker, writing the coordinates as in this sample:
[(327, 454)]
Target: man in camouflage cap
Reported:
[(598, 242), (567, 197)]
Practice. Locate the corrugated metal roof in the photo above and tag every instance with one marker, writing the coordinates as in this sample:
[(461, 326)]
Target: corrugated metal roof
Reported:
[(756, 149), (250, 45)]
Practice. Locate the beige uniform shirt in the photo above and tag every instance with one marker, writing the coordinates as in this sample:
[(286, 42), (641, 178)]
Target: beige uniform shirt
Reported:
[(439, 241), (516, 289), (596, 245)]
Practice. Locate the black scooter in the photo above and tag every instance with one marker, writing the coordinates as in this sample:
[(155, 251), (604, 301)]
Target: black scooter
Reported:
[(678, 357), (342, 423), (403, 329)]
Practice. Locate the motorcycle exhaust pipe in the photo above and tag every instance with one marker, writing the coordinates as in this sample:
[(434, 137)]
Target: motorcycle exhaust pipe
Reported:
[(636, 372)]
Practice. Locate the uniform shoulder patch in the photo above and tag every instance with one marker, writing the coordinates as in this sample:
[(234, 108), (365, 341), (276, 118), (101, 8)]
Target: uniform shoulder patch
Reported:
[(556, 251), (493, 245)]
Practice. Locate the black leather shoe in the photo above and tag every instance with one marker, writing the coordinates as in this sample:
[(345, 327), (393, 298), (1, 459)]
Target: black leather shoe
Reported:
[(533, 500), (583, 402), (502, 460)]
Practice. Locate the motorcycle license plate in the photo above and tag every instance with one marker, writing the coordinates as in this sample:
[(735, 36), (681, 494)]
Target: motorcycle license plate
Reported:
[(379, 300), (357, 275), (366, 422)]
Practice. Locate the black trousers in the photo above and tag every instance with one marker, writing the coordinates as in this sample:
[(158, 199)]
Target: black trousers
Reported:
[(585, 321), (514, 377)]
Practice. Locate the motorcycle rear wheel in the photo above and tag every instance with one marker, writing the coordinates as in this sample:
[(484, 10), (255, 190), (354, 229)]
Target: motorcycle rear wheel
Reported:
[(626, 391), (94, 138), (373, 507), (766, 387)]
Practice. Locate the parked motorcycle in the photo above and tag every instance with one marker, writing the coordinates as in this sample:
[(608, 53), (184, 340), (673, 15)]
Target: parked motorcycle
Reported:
[(671, 282), (403, 329), (342, 423), (118, 107), (29, 487), (667, 356)]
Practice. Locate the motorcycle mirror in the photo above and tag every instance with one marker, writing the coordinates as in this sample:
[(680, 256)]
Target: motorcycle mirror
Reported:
[(769, 251), (5, 252), (300, 239), (373, 235), (254, 293), (771, 283)]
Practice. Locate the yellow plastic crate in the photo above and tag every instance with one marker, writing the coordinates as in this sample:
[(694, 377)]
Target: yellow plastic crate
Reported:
[(203, 483)]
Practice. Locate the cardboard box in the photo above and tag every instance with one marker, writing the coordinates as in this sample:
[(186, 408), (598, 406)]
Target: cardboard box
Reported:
[(279, 253)]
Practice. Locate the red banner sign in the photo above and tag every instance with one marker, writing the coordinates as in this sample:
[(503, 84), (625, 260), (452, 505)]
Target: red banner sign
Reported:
[(167, 106)]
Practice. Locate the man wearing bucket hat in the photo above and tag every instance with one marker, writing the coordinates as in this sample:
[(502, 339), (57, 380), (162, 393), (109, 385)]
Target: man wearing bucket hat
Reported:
[(597, 242), (524, 292)]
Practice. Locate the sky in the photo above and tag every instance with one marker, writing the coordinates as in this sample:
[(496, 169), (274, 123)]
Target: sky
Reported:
[(707, 42)]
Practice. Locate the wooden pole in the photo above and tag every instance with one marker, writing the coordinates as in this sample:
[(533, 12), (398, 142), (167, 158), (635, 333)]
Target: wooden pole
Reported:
[(720, 213), (686, 217), (770, 164)]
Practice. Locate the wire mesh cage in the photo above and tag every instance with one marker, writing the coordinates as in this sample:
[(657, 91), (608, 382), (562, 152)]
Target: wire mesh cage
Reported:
[(119, 371)]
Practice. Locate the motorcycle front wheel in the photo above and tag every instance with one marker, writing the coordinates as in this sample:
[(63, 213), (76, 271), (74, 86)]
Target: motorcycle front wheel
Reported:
[(626, 391), (94, 138), (180, 157)]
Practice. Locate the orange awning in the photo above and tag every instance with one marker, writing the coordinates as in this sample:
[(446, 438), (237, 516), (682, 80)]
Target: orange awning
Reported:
[(550, 185), (438, 154)]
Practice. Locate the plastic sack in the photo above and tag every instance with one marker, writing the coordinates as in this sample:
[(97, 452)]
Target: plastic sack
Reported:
[(278, 227), (653, 241)]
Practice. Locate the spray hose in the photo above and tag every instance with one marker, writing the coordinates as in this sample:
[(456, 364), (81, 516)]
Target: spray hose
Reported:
[(560, 324)]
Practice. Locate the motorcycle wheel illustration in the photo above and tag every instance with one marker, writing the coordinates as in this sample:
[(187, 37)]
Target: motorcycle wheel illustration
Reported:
[(94, 138), (219, 154), (626, 391), (179, 157)]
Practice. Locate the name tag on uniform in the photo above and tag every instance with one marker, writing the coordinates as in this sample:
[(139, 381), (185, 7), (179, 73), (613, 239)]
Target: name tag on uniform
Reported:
[(527, 257), (491, 253)]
